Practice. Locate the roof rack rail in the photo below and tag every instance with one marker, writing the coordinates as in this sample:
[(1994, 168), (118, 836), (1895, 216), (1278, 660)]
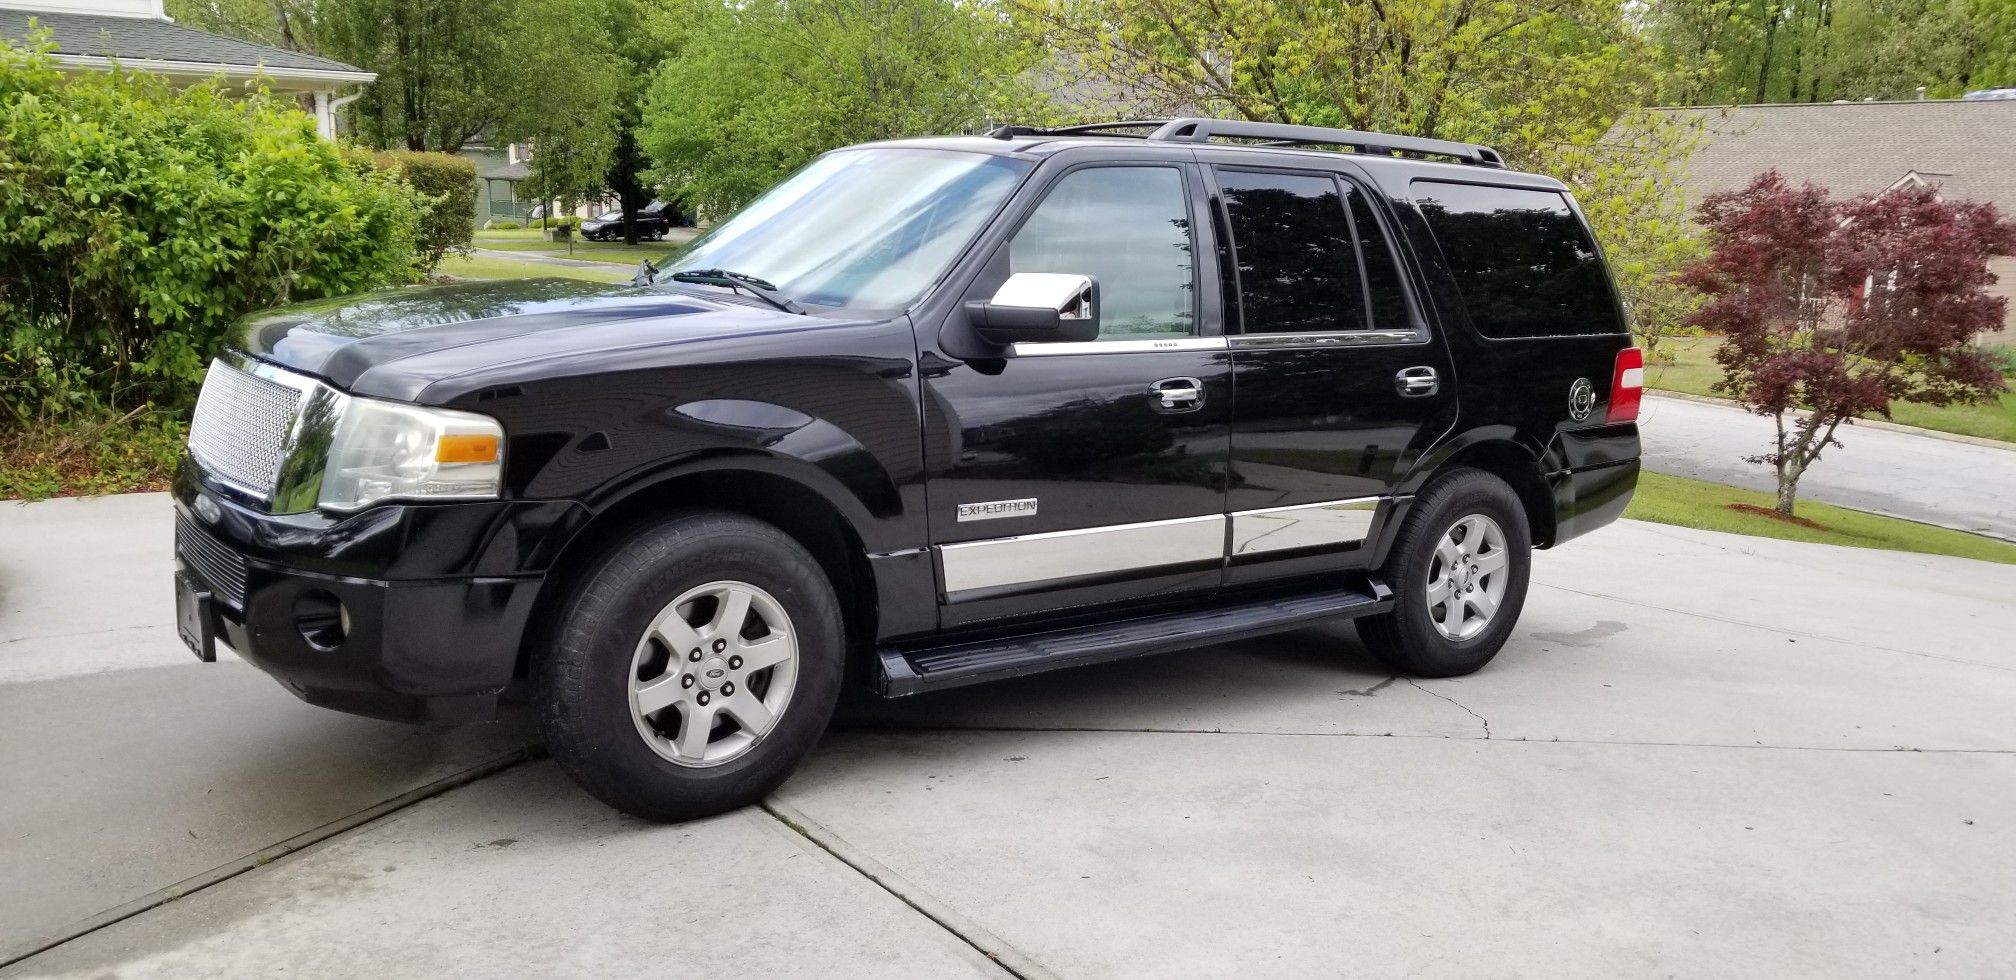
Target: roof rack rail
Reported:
[(1082, 129), (1195, 130), (1283, 134)]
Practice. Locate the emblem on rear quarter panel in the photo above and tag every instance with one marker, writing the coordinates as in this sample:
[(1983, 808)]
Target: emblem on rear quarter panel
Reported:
[(988, 510)]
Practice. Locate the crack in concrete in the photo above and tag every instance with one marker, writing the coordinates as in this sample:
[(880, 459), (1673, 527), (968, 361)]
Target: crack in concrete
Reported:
[(1374, 689), (998, 951), (1466, 708), (71, 636)]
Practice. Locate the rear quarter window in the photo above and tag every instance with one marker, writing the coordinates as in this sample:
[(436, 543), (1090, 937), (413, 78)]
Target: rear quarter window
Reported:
[(1523, 261)]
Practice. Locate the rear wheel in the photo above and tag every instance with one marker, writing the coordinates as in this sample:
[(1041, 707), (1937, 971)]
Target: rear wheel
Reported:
[(1459, 570), (694, 667)]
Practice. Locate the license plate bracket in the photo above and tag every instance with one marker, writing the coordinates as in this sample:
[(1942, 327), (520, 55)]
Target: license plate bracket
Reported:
[(192, 618)]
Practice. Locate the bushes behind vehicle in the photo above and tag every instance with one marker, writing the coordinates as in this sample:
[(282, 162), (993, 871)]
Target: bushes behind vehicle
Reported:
[(137, 222), (449, 184)]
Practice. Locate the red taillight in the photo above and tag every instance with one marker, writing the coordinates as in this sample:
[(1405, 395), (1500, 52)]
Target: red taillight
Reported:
[(1627, 385)]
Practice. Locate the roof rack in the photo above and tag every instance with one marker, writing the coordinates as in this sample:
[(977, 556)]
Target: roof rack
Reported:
[(1194, 130)]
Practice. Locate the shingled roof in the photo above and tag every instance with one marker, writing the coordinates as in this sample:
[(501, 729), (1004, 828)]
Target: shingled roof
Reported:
[(1966, 149), (146, 39)]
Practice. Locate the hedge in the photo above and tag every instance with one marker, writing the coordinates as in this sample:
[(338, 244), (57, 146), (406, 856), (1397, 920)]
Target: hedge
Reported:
[(137, 222), (448, 182)]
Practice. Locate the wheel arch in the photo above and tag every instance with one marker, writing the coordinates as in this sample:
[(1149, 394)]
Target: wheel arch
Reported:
[(766, 489), (1500, 452)]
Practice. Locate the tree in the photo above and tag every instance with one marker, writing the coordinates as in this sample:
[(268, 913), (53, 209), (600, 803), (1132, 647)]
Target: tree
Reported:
[(441, 66), (1556, 85), (558, 94), (286, 24), (1834, 310), (1823, 50), (762, 86), (643, 42)]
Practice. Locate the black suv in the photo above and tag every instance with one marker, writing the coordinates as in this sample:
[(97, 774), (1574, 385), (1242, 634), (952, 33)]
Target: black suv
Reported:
[(928, 413)]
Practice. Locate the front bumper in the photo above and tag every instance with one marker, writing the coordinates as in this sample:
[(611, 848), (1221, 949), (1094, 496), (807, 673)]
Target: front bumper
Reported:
[(406, 612)]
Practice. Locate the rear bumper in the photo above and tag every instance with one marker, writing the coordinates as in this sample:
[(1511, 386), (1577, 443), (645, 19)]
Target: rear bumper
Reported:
[(1587, 499), (412, 613), (1598, 474)]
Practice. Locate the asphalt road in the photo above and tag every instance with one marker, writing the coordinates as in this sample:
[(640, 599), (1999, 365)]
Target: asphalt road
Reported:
[(1699, 755), (1937, 481)]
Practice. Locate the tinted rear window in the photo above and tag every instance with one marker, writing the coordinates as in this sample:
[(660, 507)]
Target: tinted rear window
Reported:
[(1523, 262)]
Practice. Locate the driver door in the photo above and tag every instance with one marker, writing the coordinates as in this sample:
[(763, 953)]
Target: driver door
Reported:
[(1064, 475)]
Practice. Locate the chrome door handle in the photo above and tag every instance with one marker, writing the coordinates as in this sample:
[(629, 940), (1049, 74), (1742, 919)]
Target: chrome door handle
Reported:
[(1417, 382), (1178, 394)]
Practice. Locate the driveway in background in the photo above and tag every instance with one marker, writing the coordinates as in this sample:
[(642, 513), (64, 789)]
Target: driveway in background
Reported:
[(1935, 481)]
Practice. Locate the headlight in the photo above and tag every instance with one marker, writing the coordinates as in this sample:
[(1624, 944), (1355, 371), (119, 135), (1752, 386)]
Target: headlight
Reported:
[(385, 449)]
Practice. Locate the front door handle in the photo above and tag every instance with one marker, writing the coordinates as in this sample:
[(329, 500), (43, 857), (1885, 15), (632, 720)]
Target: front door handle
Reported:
[(1417, 382), (1178, 394)]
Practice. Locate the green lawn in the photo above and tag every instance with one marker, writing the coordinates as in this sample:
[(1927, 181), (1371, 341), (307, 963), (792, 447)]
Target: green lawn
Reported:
[(485, 267), (1694, 503), (1693, 370), (527, 240)]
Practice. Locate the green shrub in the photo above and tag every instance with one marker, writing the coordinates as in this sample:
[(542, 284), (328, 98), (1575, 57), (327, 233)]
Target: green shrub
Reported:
[(448, 182), (92, 453), (501, 226), (138, 222)]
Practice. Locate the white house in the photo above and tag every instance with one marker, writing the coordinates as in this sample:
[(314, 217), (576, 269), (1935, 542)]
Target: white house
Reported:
[(91, 34)]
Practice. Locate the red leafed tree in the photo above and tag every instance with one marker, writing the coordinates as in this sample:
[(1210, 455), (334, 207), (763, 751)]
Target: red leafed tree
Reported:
[(1832, 310)]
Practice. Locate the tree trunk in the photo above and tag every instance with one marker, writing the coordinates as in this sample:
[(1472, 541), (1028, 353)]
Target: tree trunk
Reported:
[(1788, 489)]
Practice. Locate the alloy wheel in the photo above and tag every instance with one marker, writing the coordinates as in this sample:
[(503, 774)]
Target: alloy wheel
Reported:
[(1467, 578), (713, 673)]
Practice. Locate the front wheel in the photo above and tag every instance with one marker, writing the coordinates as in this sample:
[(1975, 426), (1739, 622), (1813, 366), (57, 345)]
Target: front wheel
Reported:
[(1459, 570), (694, 667)]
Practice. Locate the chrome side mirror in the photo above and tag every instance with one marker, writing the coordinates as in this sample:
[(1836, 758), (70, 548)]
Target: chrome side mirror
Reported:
[(1035, 307)]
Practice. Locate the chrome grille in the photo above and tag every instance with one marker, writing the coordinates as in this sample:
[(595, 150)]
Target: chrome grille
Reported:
[(241, 427), (216, 564)]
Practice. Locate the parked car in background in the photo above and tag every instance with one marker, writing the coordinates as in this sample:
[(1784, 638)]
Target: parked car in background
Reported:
[(608, 226), (654, 220), (929, 413)]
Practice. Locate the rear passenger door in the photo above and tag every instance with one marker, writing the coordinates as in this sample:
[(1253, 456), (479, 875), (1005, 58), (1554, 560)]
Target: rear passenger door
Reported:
[(1340, 384)]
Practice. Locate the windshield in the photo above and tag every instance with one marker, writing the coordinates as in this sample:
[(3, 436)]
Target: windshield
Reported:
[(870, 229)]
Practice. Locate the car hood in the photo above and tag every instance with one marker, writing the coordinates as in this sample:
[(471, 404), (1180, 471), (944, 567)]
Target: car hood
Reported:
[(397, 343)]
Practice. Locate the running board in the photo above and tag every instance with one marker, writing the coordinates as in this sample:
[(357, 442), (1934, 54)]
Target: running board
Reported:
[(909, 671)]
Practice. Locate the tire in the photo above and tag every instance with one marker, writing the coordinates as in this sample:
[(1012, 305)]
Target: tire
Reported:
[(1467, 515), (611, 661)]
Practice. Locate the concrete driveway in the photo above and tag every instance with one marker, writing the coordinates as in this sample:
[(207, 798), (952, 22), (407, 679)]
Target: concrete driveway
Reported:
[(1954, 484), (1700, 755)]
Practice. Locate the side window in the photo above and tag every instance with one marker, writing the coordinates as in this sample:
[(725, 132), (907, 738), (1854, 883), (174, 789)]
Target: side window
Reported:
[(1382, 273), (1523, 263), (1291, 243), (1129, 229)]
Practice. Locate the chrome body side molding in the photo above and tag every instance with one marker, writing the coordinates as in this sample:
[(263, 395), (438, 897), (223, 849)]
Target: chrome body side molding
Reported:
[(1026, 558), (1116, 346), (1328, 524), (1064, 555)]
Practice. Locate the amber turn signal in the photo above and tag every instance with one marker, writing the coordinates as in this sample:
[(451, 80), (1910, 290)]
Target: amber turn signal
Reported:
[(466, 449)]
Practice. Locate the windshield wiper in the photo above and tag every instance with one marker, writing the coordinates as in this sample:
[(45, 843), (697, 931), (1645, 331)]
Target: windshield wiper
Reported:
[(736, 280)]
